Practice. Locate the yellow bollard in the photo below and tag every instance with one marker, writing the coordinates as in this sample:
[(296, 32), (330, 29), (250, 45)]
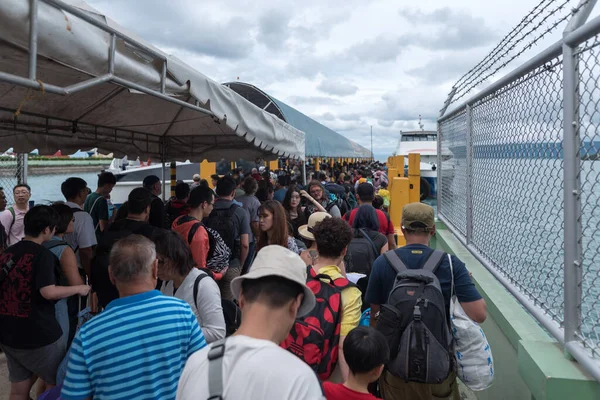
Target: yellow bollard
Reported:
[(273, 165), (173, 177), (317, 164), (399, 198), (414, 177), (331, 162), (398, 163), (206, 170), (392, 173)]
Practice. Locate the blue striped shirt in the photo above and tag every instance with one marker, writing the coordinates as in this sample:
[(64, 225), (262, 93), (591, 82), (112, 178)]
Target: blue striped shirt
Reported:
[(135, 349)]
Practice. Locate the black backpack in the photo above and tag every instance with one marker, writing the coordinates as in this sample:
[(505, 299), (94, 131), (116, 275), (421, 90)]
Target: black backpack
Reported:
[(231, 311), (361, 253), (415, 323), (222, 221)]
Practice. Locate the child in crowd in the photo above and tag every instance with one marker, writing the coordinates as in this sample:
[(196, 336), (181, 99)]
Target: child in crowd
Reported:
[(366, 352), (385, 194)]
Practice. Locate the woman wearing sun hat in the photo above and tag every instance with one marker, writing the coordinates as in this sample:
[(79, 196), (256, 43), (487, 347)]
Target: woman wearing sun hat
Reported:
[(311, 255)]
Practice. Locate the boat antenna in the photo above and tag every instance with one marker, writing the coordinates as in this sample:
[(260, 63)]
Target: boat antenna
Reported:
[(421, 125)]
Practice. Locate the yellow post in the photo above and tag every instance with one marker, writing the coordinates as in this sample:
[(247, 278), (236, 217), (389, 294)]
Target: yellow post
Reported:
[(273, 165), (414, 177), (317, 164), (392, 173), (206, 170), (331, 162), (399, 198), (173, 177)]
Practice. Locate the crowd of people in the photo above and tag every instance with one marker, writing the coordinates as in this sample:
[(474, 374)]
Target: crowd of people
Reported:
[(257, 288)]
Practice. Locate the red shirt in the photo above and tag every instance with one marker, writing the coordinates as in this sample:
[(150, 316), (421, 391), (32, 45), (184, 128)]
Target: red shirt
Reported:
[(385, 224), (337, 391)]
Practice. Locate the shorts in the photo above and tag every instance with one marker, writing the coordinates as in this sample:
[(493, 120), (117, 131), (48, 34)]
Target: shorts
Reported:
[(394, 388), (43, 362)]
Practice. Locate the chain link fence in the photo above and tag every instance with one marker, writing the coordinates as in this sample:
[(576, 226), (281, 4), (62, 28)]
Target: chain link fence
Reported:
[(521, 186), (10, 171)]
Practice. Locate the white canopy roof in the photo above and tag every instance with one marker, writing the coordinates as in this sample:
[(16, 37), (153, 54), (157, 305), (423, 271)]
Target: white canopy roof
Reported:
[(125, 110)]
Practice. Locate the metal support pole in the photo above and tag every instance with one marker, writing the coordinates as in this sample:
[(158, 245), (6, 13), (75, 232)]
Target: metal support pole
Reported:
[(33, 37), (439, 168), (163, 77), (304, 172), (572, 196), (469, 145), (22, 168), (111, 54)]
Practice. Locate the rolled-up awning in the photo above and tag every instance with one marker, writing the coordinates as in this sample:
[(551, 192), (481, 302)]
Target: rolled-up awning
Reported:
[(96, 85)]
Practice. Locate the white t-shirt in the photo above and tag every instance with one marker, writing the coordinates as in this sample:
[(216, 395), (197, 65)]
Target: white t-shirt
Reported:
[(253, 369), (209, 311)]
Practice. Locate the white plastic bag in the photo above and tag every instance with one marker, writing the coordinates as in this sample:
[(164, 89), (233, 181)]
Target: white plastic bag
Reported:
[(472, 352)]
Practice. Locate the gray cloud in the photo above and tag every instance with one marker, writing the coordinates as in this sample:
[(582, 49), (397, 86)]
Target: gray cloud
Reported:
[(385, 123), (328, 116), (350, 117), (312, 100), (337, 88), (376, 50), (273, 29), (163, 24), (447, 68), (456, 29)]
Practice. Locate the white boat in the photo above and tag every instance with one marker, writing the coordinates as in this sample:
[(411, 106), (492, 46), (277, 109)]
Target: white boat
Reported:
[(424, 143), (131, 174)]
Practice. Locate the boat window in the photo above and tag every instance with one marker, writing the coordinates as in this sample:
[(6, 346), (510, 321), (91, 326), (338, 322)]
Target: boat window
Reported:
[(431, 138)]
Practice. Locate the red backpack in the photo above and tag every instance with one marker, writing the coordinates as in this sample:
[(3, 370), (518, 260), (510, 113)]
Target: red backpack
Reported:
[(315, 337)]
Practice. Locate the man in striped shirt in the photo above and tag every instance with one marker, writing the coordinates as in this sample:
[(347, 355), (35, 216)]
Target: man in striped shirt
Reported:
[(137, 347)]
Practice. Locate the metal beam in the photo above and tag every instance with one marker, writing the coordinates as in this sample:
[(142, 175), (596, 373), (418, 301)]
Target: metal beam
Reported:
[(61, 5), (154, 93), (580, 14), (33, 38)]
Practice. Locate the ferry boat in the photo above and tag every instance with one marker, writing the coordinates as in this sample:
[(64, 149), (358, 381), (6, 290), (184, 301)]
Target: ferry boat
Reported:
[(131, 174), (424, 143)]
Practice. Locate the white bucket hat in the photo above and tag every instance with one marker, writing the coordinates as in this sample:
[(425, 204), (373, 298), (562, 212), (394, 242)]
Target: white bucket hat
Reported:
[(277, 260)]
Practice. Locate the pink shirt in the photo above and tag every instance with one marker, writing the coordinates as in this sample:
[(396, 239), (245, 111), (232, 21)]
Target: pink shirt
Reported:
[(17, 232)]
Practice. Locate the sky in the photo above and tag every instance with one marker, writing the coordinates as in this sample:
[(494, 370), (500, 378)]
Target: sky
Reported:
[(348, 64)]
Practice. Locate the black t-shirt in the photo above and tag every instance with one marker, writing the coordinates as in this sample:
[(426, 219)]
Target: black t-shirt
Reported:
[(100, 279), (27, 319), (157, 216)]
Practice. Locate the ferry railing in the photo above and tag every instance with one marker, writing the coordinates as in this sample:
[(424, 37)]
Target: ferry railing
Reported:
[(522, 187)]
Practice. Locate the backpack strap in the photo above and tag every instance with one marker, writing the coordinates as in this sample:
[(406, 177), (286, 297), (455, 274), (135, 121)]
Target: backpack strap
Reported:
[(196, 284), (366, 236), (92, 209), (215, 370), (434, 261), (395, 261), (193, 231), (14, 218)]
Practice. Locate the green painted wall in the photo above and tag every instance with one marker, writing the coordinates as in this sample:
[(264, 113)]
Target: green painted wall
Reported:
[(529, 364)]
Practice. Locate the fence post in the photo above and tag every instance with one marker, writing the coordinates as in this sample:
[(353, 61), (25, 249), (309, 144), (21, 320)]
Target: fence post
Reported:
[(572, 197), (439, 167), (469, 167), (22, 167)]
